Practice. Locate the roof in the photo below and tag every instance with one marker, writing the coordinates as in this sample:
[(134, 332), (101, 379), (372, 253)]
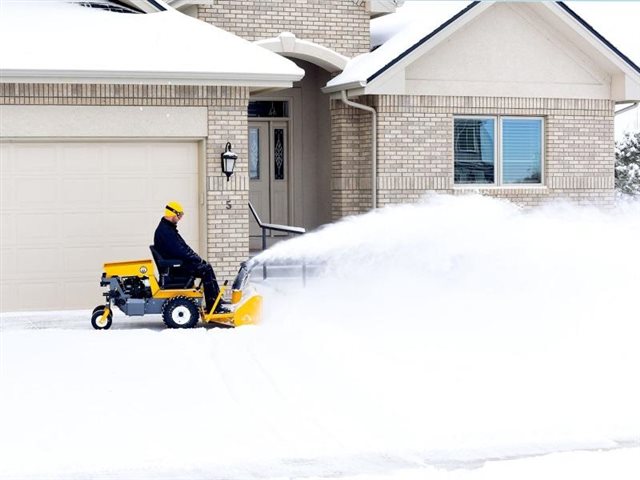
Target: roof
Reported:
[(55, 41), (398, 38)]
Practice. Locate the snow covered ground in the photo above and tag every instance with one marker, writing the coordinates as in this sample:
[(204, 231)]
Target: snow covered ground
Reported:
[(459, 338)]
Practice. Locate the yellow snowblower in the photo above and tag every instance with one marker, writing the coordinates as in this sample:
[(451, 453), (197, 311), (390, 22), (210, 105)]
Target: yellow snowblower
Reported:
[(135, 290)]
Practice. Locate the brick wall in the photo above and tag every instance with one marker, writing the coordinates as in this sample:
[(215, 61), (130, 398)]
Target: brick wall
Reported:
[(341, 25), (227, 228), (350, 160), (415, 148)]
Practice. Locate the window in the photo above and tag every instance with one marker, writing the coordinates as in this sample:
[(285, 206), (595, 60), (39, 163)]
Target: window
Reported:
[(498, 150), (125, 6), (268, 108), (254, 153)]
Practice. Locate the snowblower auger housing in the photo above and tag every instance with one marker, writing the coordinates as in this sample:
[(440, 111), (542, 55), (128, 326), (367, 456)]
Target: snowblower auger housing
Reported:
[(135, 290)]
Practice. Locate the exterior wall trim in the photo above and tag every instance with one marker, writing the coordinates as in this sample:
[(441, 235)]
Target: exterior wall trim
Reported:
[(288, 45)]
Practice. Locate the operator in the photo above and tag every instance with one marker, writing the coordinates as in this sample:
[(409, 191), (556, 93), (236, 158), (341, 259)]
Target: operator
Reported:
[(170, 244)]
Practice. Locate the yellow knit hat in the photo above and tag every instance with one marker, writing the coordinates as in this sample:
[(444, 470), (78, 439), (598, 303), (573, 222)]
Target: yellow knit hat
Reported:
[(173, 209)]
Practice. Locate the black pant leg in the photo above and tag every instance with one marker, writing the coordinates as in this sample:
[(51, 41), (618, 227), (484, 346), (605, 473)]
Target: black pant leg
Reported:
[(209, 282)]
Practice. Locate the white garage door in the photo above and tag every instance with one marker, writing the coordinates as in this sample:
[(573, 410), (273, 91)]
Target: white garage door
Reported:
[(69, 207)]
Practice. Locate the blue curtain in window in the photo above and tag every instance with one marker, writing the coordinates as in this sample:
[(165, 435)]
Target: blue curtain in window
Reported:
[(521, 150), (474, 155)]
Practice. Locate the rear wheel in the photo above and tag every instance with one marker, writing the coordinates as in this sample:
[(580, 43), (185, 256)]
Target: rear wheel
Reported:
[(98, 322), (180, 312)]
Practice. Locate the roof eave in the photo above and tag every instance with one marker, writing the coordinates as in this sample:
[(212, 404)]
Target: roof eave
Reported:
[(620, 57), (345, 86), (151, 78)]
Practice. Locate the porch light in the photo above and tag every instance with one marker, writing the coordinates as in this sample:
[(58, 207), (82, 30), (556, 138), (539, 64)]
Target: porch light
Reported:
[(228, 160)]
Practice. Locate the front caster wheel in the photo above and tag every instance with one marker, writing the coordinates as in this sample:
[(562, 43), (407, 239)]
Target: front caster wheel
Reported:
[(98, 322), (180, 312)]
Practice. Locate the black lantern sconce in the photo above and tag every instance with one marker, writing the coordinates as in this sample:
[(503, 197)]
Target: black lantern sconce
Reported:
[(228, 160)]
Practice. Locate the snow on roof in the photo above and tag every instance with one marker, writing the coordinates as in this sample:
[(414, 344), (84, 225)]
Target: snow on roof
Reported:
[(385, 27), (398, 34), (49, 40), (395, 33)]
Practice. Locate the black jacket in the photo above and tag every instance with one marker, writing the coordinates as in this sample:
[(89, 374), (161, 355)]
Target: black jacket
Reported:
[(172, 246)]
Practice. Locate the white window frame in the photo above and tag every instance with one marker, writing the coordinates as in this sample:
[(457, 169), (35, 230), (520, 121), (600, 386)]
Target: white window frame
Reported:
[(497, 149)]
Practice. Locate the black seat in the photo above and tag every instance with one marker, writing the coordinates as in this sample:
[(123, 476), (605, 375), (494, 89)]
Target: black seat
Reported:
[(170, 272)]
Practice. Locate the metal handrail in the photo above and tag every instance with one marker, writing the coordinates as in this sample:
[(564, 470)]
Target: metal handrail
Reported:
[(273, 226)]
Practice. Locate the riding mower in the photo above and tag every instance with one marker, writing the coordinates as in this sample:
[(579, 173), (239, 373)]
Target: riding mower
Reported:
[(135, 290)]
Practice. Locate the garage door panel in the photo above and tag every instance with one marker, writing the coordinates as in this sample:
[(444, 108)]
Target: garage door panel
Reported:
[(8, 295), (6, 159), (8, 229), (82, 260), (120, 226), (8, 264), (86, 290), (81, 159), (127, 159), (82, 192), (80, 228), (38, 262), (128, 192), (174, 188), (36, 296), (35, 159), (35, 191), (70, 207), (164, 157), (36, 228), (6, 190)]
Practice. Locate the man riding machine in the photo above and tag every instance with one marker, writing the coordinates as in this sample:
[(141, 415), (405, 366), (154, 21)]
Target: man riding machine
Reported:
[(135, 290)]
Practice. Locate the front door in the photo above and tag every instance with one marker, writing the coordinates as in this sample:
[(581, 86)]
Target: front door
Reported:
[(268, 177)]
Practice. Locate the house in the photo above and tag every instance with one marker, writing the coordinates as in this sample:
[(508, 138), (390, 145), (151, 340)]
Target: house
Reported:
[(98, 129)]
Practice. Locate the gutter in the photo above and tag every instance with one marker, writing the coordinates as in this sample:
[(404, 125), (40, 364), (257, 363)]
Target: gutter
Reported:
[(346, 86), (243, 79), (627, 108), (374, 141)]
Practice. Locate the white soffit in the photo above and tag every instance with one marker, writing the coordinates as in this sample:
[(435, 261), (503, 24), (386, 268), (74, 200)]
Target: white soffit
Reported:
[(55, 41)]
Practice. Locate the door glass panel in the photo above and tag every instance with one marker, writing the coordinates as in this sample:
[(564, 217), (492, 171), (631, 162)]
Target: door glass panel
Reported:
[(278, 153), (254, 153)]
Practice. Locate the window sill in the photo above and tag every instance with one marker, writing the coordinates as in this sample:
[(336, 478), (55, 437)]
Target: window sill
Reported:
[(536, 188)]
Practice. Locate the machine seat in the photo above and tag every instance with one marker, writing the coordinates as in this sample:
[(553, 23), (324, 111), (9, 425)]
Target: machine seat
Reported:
[(170, 271)]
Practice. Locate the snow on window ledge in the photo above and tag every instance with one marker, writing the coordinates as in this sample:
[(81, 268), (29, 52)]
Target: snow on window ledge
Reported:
[(536, 188)]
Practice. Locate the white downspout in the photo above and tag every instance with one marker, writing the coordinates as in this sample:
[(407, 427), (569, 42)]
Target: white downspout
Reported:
[(374, 152)]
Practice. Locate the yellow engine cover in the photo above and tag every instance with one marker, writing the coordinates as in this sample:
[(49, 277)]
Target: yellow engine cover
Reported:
[(130, 268)]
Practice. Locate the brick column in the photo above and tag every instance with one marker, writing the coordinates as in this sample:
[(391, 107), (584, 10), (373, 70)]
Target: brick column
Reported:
[(350, 160), (227, 201)]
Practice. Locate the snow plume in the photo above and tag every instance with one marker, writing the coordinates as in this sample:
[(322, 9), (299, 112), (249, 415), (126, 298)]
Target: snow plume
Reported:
[(469, 326), (440, 337)]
